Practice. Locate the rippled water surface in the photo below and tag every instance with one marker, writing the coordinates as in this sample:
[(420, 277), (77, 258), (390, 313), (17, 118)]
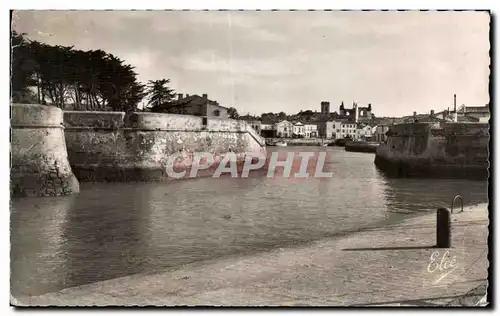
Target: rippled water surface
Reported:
[(117, 229)]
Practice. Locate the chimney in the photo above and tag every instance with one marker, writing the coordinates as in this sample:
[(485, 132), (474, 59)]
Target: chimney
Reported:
[(179, 96), (432, 112), (455, 103), (205, 96)]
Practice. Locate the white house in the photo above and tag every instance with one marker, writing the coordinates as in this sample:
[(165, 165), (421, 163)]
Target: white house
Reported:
[(347, 130), (364, 132), (311, 130), (298, 129), (284, 129), (338, 129)]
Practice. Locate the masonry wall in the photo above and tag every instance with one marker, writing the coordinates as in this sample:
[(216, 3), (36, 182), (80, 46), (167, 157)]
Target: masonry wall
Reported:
[(449, 149), (139, 148), (39, 161)]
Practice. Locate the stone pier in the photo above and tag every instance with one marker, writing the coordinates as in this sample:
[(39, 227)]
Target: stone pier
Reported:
[(39, 160), (450, 150)]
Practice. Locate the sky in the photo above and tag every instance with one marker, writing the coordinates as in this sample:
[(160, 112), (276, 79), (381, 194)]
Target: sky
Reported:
[(272, 61)]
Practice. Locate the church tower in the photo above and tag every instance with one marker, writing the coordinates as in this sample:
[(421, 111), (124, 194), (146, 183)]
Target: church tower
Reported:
[(325, 107)]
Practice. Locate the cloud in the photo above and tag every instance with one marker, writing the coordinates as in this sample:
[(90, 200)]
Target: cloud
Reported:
[(288, 61), (208, 61)]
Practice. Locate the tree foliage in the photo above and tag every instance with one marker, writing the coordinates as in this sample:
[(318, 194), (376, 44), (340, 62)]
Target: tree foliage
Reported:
[(22, 68), (71, 78), (159, 93), (233, 113)]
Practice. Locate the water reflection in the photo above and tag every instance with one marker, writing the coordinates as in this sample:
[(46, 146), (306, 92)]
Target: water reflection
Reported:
[(116, 229), (37, 242), (107, 241), (420, 195)]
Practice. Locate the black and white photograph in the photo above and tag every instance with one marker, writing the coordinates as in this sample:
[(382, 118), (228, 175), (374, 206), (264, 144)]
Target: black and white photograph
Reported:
[(250, 158)]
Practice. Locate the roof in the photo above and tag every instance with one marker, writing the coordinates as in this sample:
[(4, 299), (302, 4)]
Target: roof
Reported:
[(467, 118), (474, 108), (283, 121), (192, 100), (267, 122), (422, 118)]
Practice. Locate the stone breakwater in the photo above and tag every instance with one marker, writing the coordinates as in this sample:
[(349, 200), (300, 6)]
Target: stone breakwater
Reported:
[(436, 150), (113, 146), (39, 161)]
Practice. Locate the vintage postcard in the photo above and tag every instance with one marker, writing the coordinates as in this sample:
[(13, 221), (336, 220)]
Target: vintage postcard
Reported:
[(250, 158)]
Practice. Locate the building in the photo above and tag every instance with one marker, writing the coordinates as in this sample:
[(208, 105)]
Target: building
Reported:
[(338, 129), (284, 129), (356, 113), (298, 130), (326, 129), (194, 105), (348, 129), (380, 133), (311, 130), (325, 107), (256, 125), (364, 132), (481, 112), (267, 128)]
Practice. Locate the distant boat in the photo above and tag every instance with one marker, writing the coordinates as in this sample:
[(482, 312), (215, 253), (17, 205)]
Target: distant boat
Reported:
[(281, 144), (339, 142)]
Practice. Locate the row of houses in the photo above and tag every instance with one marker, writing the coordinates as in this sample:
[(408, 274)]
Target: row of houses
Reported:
[(285, 129), (335, 129), (356, 123)]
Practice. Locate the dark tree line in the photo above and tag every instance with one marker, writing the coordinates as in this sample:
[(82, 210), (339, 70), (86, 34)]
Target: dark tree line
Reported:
[(87, 80)]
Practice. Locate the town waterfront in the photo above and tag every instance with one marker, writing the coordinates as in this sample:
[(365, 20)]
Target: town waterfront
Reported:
[(111, 230)]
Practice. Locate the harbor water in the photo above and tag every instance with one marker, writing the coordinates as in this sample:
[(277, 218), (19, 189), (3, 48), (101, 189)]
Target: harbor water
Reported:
[(111, 230)]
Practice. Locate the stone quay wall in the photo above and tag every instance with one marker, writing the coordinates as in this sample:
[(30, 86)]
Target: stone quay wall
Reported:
[(443, 150), (39, 160), (113, 146), (361, 146)]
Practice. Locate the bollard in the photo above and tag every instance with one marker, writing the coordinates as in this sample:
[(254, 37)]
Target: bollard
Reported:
[(443, 228)]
